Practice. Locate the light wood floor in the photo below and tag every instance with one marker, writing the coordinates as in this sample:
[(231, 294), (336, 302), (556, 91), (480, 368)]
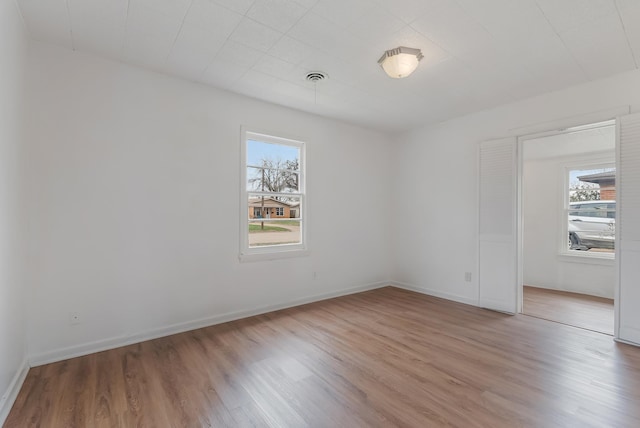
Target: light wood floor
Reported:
[(382, 358), (578, 310)]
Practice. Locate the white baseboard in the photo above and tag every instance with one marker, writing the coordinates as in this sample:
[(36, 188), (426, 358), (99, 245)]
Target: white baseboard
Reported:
[(626, 342), (116, 342), (629, 335), (435, 293), (10, 395)]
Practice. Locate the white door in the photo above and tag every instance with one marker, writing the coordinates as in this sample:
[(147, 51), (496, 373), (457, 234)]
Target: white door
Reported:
[(628, 228), (497, 225)]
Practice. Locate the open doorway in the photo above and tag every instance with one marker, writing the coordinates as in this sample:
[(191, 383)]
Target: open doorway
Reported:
[(568, 226)]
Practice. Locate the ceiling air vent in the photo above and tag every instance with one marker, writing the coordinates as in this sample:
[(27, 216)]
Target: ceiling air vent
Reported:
[(316, 76)]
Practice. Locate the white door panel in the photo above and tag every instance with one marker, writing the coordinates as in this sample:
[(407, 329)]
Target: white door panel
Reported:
[(497, 225), (628, 228)]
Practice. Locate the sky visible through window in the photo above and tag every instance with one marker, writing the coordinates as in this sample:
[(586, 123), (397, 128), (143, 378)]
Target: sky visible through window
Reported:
[(258, 150), (574, 174)]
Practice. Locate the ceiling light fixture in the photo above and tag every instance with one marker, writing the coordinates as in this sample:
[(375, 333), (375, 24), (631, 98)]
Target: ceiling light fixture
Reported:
[(400, 62)]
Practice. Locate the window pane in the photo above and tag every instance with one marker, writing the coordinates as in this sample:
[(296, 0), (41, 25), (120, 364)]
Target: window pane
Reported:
[(591, 184), (272, 167), (591, 211), (274, 221), (274, 192)]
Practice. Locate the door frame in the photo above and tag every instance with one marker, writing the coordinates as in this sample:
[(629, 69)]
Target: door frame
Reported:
[(561, 127)]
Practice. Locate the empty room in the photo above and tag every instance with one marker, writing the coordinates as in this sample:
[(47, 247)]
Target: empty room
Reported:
[(182, 239)]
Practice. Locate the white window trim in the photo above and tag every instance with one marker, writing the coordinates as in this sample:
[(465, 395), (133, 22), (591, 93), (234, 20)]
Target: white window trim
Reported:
[(276, 251), (588, 162)]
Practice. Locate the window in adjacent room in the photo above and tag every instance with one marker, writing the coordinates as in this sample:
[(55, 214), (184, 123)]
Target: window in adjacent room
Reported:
[(273, 196), (591, 209)]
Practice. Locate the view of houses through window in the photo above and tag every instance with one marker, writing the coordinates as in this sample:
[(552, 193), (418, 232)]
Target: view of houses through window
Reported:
[(274, 191), (591, 209)]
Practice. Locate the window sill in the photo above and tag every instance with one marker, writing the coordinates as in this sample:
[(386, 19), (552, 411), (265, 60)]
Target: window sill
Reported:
[(272, 255), (604, 259)]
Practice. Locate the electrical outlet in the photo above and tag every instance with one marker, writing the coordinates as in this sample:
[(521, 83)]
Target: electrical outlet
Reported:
[(467, 276), (74, 318)]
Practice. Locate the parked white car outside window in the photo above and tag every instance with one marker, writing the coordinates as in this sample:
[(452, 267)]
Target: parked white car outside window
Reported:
[(592, 224)]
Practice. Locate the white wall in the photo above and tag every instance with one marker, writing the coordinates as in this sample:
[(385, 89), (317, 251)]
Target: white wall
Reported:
[(134, 192), (12, 295), (133, 201), (544, 163), (436, 181)]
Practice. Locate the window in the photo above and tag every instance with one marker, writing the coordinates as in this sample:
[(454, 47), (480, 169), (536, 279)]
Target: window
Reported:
[(273, 197), (591, 209)]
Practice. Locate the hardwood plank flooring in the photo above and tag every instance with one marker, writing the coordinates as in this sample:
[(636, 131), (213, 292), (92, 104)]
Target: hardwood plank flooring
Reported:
[(578, 310), (382, 358)]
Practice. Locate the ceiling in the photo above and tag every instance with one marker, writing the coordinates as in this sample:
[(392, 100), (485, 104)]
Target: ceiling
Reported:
[(593, 139), (477, 53)]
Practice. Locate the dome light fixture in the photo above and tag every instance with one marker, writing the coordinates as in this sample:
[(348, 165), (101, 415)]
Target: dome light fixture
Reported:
[(400, 62)]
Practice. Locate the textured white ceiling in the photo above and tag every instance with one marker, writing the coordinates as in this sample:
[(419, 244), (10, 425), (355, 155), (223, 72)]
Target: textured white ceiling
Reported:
[(477, 53), (600, 140)]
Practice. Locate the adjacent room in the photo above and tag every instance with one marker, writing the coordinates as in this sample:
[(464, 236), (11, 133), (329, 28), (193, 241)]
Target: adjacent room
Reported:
[(569, 211), (328, 213)]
